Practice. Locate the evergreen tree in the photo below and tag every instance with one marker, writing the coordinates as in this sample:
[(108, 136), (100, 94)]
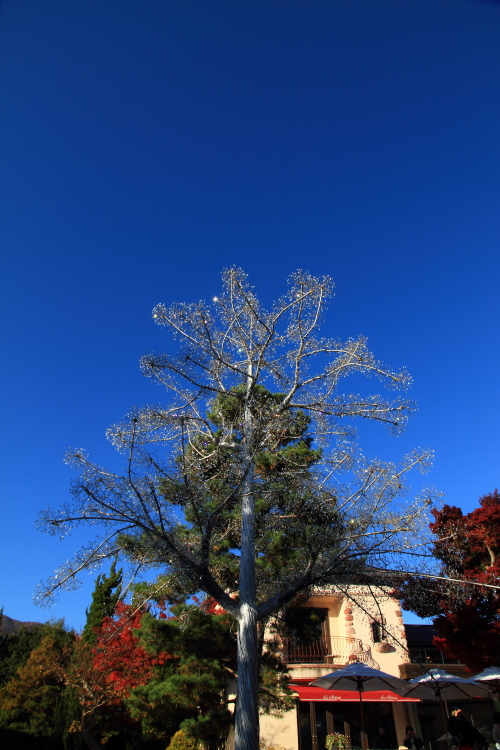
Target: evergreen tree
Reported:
[(66, 713), (106, 595), (28, 701), (187, 691), (16, 647)]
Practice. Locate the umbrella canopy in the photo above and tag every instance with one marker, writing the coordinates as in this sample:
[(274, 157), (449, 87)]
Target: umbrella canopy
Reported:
[(357, 675), (490, 677), (491, 674), (437, 683)]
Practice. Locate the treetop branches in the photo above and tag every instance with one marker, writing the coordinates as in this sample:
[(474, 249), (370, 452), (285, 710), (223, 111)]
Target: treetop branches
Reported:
[(251, 459)]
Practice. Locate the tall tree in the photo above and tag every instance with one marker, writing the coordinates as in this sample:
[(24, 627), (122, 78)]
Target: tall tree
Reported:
[(467, 618), (226, 474), (106, 595)]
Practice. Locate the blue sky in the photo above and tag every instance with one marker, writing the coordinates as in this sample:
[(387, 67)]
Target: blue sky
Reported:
[(145, 146)]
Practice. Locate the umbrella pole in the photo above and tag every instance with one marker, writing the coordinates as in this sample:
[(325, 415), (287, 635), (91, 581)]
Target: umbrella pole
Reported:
[(496, 698), (444, 718), (364, 738)]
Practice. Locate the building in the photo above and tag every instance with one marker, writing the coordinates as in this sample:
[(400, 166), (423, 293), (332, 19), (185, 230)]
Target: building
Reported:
[(330, 631), (422, 651)]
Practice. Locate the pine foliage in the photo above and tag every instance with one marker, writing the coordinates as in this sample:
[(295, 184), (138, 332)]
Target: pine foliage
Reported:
[(188, 689), (106, 595)]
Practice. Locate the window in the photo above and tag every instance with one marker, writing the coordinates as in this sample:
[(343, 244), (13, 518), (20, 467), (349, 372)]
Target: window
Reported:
[(308, 624), (306, 636), (429, 655), (377, 631)]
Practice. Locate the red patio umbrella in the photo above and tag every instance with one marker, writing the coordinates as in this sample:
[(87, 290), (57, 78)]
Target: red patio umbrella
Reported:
[(357, 676)]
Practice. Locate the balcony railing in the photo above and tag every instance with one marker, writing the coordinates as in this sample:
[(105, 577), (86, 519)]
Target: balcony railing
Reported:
[(327, 650)]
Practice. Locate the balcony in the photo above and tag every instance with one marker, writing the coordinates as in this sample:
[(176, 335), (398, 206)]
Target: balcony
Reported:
[(334, 650)]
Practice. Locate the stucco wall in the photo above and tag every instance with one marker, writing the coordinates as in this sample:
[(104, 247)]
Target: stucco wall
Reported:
[(353, 617), (280, 732)]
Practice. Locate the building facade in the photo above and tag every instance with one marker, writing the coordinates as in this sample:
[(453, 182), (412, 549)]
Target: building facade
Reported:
[(330, 631)]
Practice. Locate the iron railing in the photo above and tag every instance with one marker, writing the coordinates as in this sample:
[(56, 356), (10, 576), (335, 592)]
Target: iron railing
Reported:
[(332, 649)]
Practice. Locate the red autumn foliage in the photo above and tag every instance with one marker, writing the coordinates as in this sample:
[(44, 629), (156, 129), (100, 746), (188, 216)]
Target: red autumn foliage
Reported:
[(102, 675), (211, 607), (470, 543), (118, 655), (467, 619)]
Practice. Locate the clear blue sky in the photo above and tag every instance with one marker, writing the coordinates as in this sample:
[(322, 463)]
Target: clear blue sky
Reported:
[(146, 145)]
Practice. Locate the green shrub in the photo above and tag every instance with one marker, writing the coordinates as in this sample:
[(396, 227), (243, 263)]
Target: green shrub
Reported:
[(182, 741)]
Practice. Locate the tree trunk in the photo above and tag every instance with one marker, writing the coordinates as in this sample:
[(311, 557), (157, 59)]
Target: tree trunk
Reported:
[(247, 710), (86, 724)]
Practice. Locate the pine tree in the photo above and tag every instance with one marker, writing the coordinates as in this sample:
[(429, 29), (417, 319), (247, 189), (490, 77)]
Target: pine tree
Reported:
[(107, 592), (187, 689)]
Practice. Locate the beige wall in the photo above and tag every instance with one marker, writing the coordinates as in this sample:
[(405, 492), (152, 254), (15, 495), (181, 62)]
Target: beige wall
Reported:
[(350, 618), (280, 732)]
